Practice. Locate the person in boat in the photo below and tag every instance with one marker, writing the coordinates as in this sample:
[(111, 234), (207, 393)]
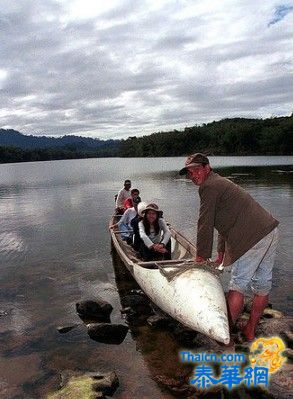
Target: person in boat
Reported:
[(134, 224), (247, 240), (124, 224), (154, 234), (129, 202), (122, 196)]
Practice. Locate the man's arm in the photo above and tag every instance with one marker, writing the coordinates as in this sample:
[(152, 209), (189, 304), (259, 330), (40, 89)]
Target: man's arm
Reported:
[(119, 200), (205, 224), (220, 249), (123, 220)]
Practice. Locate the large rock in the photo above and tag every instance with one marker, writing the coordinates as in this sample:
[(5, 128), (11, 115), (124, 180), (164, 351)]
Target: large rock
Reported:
[(98, 310), (6, 312), (281, 384), (107, 333), (106, 383), (66, 329), (178, 387), (185, 336), (272, 314), (288, 353), (276, 326), (90, 385), (135, 300), (287, 336), (138, 307), (204, 343), (159, 321)]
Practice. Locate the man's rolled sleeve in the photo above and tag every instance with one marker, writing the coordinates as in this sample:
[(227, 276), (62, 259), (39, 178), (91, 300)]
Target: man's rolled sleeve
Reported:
[(205, 224)]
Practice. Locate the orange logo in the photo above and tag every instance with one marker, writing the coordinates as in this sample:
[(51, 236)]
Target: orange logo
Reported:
[(267, 352)]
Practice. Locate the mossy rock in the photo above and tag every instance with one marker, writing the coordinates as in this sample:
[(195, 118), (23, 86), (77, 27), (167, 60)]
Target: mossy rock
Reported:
[(86, 385), (77, 387)]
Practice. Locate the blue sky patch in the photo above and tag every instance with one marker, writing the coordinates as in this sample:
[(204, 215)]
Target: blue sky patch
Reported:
[(280, 13)]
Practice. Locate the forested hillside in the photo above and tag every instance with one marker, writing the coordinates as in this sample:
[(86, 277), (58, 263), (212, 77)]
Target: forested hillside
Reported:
[(237, 136)]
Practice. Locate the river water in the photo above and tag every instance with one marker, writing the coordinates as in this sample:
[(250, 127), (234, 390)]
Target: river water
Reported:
[(55, 250)]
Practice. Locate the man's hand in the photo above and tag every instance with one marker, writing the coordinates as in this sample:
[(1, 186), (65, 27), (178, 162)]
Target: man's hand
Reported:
[(219, 258), (199, 259)]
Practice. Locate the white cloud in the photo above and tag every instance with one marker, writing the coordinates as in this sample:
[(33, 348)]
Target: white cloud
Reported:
[(119, 68)]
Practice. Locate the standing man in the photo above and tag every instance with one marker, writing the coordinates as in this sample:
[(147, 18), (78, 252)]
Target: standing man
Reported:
[(123, 195), (248, 237)]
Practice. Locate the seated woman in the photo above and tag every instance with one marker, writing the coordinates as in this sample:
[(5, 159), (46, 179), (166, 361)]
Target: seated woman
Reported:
[(155, 235)]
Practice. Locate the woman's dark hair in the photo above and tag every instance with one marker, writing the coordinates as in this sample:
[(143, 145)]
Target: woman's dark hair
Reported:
[(147, 226), (134, 190)]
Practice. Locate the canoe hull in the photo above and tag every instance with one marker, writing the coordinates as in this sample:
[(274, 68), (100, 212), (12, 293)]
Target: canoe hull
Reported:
[(195, 298)]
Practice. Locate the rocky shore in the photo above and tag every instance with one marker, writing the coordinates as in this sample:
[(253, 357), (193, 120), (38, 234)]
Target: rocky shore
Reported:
[(137, 312)]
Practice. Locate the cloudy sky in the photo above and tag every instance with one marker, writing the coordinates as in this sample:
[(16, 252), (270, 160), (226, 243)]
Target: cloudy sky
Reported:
[(115, 68)]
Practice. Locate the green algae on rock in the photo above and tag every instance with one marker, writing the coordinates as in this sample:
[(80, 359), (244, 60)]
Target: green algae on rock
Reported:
[(88, 385)]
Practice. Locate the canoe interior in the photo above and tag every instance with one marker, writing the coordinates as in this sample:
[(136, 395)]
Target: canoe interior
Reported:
[(181, 248)]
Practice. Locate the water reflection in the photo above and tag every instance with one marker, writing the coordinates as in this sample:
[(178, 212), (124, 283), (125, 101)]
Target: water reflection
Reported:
[(158, 348), (55, 251)]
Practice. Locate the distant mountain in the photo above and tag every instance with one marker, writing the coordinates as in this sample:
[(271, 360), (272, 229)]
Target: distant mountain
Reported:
[(235, 136), (13, 138)]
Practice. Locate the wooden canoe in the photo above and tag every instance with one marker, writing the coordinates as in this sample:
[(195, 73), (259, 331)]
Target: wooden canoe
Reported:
[(190, 293)]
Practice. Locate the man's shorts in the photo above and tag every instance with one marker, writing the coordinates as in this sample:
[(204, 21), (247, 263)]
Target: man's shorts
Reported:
[(254, 268)]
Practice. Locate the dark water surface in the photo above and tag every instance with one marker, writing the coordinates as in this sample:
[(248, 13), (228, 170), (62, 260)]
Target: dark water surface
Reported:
[(55, 250)]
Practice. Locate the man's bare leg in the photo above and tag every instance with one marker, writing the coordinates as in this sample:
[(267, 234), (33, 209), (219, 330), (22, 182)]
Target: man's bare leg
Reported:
[(259, 304)]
